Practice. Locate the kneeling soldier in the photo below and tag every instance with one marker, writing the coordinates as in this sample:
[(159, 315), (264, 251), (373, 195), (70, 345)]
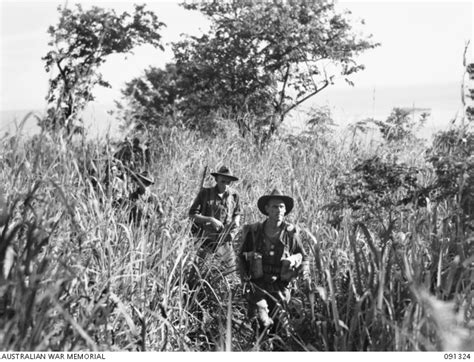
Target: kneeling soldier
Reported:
[(216, 216), (271, 258)]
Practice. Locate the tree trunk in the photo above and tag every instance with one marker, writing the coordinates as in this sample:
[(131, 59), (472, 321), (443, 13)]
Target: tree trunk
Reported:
[(276, 121)]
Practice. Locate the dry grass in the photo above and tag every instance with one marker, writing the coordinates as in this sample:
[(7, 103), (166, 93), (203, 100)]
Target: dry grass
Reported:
[(86, 279)]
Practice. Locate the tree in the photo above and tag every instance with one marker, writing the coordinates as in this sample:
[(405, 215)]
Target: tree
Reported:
[(217, 77), (264, 59), (82, 40)]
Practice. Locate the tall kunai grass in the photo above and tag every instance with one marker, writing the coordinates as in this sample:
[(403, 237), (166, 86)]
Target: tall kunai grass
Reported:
[(84, 278)]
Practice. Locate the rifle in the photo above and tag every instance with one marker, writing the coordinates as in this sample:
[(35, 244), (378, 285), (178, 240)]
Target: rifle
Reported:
[(201, 185)]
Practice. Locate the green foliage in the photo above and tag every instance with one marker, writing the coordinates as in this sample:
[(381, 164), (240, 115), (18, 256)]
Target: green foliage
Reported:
[(400, 125), (374, 186), (261, 59), (320, 122), (451, 156), (152, 96), (453, 162), (81, 42), (376, 192)]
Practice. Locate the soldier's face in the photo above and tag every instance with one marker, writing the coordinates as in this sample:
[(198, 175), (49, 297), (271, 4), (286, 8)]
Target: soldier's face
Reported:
[(276, 210), (223, 183)]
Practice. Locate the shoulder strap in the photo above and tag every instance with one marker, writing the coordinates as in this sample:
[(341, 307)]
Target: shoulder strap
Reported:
[(206, 197), (250, 231), (204, 200), (289, 233), (256, 231)]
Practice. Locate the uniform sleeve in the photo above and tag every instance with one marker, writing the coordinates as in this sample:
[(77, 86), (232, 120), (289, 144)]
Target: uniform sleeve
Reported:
[(197, 205), (245, 240), (246, 247)]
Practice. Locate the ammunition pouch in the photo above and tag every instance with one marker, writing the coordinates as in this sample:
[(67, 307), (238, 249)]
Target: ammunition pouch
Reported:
[(271, 269), (254, 263)]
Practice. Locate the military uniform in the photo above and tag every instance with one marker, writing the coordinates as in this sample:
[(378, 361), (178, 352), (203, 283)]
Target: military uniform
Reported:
[(116, 184), (225, 208), (274, 283), (269, 267)]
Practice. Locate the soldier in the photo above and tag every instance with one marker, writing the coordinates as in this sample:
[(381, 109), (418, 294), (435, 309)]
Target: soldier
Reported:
[(144, 202), (132, 155), (138, 152), (216, 216), (115, 181), (271, 258)]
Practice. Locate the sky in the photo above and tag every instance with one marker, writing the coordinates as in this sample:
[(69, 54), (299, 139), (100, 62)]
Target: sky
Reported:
[(422, 44), (24, 41)]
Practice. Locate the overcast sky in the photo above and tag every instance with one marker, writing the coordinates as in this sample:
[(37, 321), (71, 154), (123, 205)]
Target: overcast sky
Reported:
[(422, 43)]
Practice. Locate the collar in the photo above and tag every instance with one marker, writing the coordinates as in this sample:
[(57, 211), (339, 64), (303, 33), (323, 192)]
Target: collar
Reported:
[(284, 226), (224, 195)]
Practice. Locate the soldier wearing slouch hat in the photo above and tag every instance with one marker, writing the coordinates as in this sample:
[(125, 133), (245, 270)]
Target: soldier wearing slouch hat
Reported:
[(270, 259), (215, 213)]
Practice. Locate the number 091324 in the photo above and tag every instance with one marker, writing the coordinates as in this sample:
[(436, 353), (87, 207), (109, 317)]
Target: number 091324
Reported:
[(457, 356)]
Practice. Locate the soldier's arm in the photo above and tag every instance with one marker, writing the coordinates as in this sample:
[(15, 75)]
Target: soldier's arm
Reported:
[(242, 264), (195, 213), (196, 208)]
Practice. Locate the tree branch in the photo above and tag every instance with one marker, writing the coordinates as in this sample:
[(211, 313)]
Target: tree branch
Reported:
[(63, 73), (284, 87), (297, 103)]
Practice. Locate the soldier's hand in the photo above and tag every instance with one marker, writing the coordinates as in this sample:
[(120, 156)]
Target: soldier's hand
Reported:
[(216, 224)]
